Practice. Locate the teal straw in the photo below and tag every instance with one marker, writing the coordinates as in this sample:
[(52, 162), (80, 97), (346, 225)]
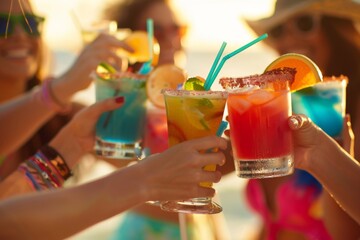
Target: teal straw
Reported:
[(221, 129), (226, 57), (216, 61), (146, 67), (150, 31)]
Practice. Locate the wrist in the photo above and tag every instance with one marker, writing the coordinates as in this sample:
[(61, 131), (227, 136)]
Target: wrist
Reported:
[(145, 191), (68, 148), (321, 157), (50, 97)]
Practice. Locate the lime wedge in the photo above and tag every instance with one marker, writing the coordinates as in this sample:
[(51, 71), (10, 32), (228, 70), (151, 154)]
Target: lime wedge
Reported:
[(105, 68), (194, 83)]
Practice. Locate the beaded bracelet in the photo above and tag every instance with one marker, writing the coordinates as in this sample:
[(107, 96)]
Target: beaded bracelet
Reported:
[(29, 176), (46, 169)]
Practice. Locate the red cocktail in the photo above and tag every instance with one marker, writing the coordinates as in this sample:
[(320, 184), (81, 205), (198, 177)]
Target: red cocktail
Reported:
[(259, 107)]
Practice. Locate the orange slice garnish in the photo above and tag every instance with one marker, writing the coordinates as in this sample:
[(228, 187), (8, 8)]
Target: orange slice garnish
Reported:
[(307, 72), (165, 76)]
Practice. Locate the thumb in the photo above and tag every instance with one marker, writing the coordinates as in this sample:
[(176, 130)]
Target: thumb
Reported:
[(304, 130)]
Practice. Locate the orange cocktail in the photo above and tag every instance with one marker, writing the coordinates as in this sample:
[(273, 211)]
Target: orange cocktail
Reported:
[(191, 115), (259, 107)]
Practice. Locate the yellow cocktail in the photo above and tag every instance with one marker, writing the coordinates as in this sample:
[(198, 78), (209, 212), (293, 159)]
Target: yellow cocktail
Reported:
[(191, 115)]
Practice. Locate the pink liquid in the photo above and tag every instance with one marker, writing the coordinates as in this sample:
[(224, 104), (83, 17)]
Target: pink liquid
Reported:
[(258, 123)]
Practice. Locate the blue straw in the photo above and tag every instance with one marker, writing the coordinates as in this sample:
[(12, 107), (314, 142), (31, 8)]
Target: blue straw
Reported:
[(209, 77), (146, 67), (150, 31), (226, 57), (221, 129)]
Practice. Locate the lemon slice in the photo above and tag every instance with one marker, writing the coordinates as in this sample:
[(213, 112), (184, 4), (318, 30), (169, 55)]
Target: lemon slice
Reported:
[(165, 76), (307, 72)]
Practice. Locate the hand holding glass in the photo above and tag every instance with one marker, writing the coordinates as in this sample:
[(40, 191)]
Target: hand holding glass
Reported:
[(191, 115)]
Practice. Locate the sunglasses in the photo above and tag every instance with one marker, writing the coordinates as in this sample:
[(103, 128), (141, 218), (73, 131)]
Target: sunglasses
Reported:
[(29, 22), (304, 24)]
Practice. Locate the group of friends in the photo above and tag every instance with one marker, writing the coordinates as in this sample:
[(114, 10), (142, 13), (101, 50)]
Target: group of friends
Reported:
[(45, 134)]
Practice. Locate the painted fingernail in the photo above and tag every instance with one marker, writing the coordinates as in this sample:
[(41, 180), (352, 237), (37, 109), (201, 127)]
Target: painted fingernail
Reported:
[(294, 122), (120, 99)]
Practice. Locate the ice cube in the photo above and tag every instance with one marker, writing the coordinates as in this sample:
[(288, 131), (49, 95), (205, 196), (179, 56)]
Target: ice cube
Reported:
[(260, 96)]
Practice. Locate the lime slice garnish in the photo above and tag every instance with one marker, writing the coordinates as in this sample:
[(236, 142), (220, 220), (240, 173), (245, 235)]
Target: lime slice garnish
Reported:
[(194, 83), (105, 68)]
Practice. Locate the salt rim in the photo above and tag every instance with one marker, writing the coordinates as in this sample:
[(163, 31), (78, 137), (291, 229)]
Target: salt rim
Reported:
[(278, 74), (195, 94), (327, 79)]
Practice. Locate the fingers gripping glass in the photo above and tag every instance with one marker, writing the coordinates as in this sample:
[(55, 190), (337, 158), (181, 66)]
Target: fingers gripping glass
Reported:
[(304, 24), (29, 22)]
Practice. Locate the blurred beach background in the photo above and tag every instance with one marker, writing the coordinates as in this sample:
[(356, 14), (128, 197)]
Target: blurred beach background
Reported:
[(211, 22)]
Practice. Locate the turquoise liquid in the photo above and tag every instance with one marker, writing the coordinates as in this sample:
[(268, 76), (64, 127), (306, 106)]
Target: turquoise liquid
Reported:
[(324, 104), (126, 124)]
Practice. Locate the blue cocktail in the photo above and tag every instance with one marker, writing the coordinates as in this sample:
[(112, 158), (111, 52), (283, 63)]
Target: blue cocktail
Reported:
[(119, 133), (324, 103)]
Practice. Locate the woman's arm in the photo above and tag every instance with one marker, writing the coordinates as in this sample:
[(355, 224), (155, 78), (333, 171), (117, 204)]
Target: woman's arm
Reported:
[(174, 174), (22, 117), (337, 171)]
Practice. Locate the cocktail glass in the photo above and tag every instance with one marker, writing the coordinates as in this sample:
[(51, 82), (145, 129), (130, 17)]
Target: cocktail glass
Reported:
[(119, 132), (156, 133), (91, 30), (324, 103), (191, 115), (260, 137)]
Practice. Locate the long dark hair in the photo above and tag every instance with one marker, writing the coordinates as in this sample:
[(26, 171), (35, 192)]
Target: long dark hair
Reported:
[(344, 41)]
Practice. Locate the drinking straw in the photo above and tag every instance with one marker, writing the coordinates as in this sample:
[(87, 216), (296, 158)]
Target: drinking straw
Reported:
[(230, 55), (146, 67), (150, 31), (109, 114), (221, 129), (216, 61)]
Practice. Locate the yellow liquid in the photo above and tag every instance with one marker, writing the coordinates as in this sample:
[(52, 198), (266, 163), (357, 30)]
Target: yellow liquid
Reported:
[(191, 117)]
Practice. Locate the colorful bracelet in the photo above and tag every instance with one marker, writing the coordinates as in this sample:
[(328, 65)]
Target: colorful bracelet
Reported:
[(42, 176), (53, 158), (47, 173), (23, 168), (46, 169)]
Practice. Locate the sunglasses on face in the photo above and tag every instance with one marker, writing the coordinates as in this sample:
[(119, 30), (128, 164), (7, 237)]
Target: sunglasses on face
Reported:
[(30, 23), (305, 24)]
